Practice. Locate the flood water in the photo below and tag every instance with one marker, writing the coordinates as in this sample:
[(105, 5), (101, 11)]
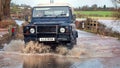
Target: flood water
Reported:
[(18, 60), (114, 25), (91, 51), (47, 62), (44, 61), (19, 22)]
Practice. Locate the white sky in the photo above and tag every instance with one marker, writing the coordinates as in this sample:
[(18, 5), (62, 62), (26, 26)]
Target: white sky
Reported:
[(74, 3)]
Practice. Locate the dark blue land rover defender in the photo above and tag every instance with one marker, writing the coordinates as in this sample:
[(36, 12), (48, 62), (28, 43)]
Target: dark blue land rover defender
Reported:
[(52, 24)]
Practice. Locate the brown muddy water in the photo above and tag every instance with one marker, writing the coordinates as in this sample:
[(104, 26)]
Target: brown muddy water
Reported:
[(15, 60), (91, 51), (50, 61), (18, 60)]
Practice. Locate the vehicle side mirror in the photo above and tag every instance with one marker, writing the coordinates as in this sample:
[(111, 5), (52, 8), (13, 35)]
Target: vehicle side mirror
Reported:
[(26, 18), (74, 17)]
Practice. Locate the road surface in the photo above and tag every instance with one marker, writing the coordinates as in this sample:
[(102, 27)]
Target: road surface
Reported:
[(91, 51)]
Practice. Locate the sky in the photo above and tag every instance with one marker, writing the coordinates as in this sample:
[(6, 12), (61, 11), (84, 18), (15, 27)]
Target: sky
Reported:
[(74, 3)]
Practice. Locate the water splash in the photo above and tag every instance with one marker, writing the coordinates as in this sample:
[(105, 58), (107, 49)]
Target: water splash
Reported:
[(38, 48), (62, 50), (82, 50), (35, 47), (14, 45)]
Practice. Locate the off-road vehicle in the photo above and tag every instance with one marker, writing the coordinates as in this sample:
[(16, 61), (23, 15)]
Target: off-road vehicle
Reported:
[(52, 23)]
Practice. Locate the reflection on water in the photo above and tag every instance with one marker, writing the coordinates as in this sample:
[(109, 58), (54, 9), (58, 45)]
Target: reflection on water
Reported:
[(92, 63), (16, 60), (51, 61), (46, 62)]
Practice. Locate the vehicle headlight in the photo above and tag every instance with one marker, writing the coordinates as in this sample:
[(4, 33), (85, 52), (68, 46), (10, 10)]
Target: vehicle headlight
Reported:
[(62, 30), (32, 30)]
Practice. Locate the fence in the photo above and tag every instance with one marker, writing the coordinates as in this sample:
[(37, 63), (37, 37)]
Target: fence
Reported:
[(89, 24)]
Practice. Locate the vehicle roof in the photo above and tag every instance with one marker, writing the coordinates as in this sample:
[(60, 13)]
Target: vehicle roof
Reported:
[(55, 4)]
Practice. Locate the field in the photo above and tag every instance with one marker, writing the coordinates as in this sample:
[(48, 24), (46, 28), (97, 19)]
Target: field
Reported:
[(94, 13)]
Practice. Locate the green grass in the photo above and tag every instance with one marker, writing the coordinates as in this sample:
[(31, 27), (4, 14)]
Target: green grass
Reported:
[(95, 13)]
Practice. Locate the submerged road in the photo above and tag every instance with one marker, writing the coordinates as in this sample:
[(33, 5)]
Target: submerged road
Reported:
[(91, 51)]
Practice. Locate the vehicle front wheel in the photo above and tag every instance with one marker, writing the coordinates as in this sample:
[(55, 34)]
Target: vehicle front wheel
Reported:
[(70, 45), (26, 41)]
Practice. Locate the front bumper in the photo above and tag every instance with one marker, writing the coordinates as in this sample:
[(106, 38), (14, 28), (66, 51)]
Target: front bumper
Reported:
[(61, 37)]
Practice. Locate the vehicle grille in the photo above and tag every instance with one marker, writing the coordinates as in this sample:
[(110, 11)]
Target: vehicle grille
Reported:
[(46, 35), (47, 29)]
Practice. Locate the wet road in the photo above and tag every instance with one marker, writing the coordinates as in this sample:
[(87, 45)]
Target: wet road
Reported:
[(91, 51)]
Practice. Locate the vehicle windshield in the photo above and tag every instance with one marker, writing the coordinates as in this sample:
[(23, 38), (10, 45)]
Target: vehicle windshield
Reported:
[(51, 12)]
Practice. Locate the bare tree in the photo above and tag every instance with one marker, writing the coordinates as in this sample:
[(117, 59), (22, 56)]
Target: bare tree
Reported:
[(1, 9), (7, 8), (117, 10), (4, 9)]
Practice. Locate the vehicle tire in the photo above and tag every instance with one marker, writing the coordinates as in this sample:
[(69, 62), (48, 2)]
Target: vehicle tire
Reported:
[(72, 42), (75, 41), (26, 41), (70, 45), (76, 34)]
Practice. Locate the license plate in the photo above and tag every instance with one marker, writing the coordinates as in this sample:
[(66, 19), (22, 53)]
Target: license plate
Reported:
[(46, 39)]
